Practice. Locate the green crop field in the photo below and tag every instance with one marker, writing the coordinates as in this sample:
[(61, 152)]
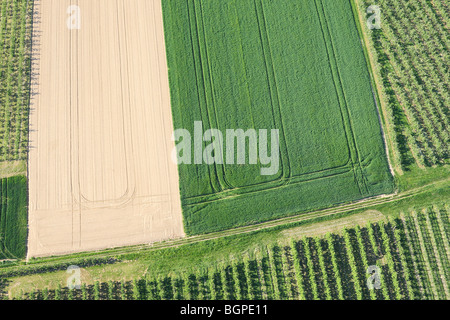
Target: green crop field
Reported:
[(409, 254), (296, 66), (13, 217), (15, 62)]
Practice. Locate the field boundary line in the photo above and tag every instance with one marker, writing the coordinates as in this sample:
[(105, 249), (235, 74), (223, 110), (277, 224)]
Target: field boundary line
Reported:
[(362, 204), (286, 222)]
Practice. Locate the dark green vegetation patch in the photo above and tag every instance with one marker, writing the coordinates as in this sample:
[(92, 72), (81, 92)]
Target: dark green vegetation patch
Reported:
[(13, 217), (293, 65)]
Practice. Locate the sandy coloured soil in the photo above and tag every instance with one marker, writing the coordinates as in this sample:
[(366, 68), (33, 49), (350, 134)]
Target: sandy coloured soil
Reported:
[(100, 169)]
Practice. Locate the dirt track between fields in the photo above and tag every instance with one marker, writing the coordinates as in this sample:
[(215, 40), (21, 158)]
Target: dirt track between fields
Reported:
[(100, 171)]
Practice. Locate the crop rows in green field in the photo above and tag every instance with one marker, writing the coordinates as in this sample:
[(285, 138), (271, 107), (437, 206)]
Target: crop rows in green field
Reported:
[(334, 267), (412, 48), (13, 217), (15, 61), (295, 66)]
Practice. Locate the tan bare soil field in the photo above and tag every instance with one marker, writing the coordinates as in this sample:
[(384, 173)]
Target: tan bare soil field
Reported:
[(100, 169)]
